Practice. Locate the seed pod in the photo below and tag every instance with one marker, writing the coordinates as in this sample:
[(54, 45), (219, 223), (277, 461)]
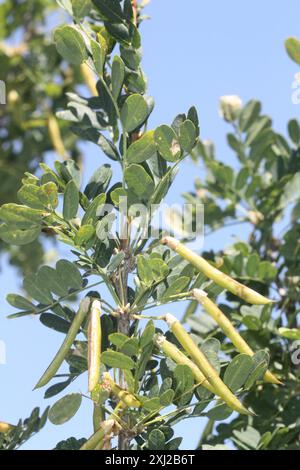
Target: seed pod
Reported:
[(94, 344), (170, 350), (204, 365), (66, 345), (5, 427), (89, 78), (228, 328), (105, 429), (55, 137), (233, 286), (123, 395)]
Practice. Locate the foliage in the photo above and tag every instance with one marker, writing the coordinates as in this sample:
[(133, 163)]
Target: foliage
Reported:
[(143, 390)]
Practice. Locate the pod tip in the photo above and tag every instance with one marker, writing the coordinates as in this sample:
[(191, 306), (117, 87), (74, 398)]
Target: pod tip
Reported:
[(170, 241), (170, 319), (199, 294), (96, 304)]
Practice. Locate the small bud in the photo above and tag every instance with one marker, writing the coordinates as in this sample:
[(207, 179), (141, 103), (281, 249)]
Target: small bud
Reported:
[(230, 107)]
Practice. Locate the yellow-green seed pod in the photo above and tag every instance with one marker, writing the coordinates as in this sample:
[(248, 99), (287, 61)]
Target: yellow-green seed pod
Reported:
[(123, 395), (55, 137), (6, 427), (222, 279), (228, 328), (67, 343), (94, 344), (204, 365), (106, 428), (170, 350), (89, 78)]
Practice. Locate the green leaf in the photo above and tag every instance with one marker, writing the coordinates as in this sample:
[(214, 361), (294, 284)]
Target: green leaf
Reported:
[(292, 46), (147, 335), (55, 323), (142, 149), (192, 115), (99, 181), (294, 131), (115, 262), (108, 148), (39, 197), (159, 268), (252, 265), (84, 235), (56, 388), (187, 135), (130, 347), (37, 290), (177, 287), (290, 333), (16, 236), (134, 112), (69, 273), (70, 44), (139, 181), (65, 408), (81, 8), (210, 347), (117, 360), (49, 192), (219, 412), (166, 398), (118, 339), (238, 371), (71, 201), (18, 301), (20, 216), (117, 76), (260, 366), (167, 143), (104, 226), (50, 278), (110, 9), (156, 440), (184, 384), (90, 217), (248, 115), (144, 270), (98, 57)]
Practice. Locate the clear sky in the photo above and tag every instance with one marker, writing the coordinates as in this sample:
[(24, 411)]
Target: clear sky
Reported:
[(194, 52)]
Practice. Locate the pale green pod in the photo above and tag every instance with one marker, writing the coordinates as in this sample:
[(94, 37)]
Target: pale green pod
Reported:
[(222, 279), (67, 343), (204, 365), (106, 428), (171, 351), (229, 330), (94, 344)]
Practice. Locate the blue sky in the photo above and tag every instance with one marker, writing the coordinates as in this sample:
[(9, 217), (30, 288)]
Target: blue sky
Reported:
[(194, 52)]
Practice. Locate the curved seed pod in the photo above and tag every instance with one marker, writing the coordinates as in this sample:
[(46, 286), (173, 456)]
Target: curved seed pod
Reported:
[(89, 78), (223, 280), (94, 344), (96, 439), (125, 397), (66, 345), (204, 365), (228, 328), (170, 350), (6, 427), (55, 137)]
